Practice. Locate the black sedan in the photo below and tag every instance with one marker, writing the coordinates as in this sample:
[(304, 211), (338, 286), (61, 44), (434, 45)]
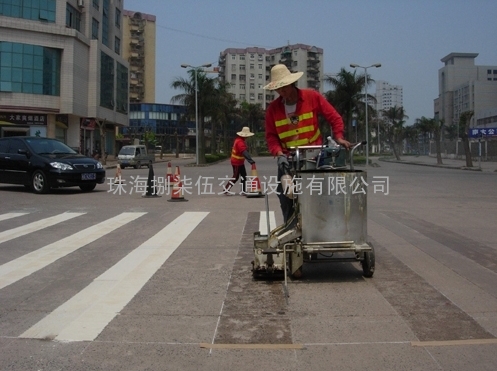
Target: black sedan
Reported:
[(44, 163)]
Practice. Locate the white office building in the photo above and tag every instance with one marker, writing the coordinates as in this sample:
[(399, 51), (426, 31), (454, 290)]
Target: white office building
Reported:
[(248, 70), (388, 96)]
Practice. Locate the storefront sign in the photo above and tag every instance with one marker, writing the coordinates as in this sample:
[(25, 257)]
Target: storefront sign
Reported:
[(482, 132), (23, 118)]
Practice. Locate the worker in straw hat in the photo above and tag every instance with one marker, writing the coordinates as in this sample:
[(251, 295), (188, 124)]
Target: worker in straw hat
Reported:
[(239, 153), (292, 120)]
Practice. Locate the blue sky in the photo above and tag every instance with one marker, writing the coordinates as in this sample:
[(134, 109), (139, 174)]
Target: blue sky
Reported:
[(407, 37)]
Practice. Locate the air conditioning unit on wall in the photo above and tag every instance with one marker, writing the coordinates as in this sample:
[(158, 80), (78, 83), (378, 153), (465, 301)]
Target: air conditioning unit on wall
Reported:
[(81, 3)]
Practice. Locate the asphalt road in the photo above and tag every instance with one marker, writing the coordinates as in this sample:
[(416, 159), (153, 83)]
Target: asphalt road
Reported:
[(113, 280)]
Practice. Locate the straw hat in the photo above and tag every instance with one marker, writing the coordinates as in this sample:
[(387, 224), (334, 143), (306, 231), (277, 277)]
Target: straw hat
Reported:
[(245, 132), (281, 76)]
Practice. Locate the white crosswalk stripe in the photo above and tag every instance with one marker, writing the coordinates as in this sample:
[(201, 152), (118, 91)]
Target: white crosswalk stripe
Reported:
[(263, 222), (36, 226), (11, 215), (28, 264), (86, 314)]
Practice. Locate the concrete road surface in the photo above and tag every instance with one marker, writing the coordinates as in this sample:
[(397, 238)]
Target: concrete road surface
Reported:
[(113, 280)]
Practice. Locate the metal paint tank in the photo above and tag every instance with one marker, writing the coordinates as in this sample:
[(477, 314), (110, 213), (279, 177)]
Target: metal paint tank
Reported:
[(333, 206)]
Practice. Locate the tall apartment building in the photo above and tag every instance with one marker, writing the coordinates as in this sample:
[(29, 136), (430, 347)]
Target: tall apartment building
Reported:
[(139, 45), (61, 70), (388, 96), (248, 70), (464, 86)]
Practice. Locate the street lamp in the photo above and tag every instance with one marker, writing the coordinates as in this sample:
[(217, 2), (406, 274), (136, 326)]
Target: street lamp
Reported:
[(195, 70), (376, 65)]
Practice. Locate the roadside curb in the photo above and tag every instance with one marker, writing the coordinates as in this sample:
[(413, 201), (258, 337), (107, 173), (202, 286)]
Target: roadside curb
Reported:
[(432, 165)]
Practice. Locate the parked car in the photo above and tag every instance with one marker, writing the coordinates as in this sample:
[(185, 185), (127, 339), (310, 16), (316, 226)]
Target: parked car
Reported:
[(44, 163), (134, 155)]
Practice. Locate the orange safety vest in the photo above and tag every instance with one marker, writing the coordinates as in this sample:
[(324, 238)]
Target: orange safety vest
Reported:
[(239, 146), (302, 133), (283, 131)]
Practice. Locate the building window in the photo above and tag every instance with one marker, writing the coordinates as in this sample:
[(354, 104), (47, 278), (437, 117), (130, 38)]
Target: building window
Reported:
[(242, 86), (29, 69), (96, 4), (121, 88), (259, 96), (94, 29), (233, 76), (251, 66), (117, 45), (242, 57), (107, 81), (105, 22), (28, 9), (252, 85), (233, 67), (117, 17), (242, 97), (233, 57), (73, 18), (242, 67), (242, 77)]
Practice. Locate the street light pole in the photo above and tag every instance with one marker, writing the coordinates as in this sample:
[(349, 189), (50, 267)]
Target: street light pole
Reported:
[(195, 71), (376, 65)]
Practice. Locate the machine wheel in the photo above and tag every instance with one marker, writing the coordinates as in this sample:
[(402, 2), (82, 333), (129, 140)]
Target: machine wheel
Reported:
[(39, 182), (368, 264), (297, 274)]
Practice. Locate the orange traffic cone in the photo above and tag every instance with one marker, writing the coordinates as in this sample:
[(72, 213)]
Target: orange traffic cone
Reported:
[(177, 193), (253, 184), (169, 175), (117, 179)]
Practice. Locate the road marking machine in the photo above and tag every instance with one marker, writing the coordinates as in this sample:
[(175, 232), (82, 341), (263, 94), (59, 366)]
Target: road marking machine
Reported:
[(329, 222)]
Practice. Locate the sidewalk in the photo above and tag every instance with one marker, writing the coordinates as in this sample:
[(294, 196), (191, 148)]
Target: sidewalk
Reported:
[(486, 166)]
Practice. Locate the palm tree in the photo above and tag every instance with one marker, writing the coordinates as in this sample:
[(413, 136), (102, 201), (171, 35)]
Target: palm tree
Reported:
[(222, 108), (347, 96), (395, 120), (464, 121), (432, 126), (205, 89)]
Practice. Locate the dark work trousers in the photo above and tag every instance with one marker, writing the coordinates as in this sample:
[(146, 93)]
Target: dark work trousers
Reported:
[(286, 203), (239, 171)]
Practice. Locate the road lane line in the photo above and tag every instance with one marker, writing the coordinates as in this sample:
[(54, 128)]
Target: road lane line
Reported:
[(263, 222), (36, 226), (27, 264), (445, 343), (85, 315), (11, 215)]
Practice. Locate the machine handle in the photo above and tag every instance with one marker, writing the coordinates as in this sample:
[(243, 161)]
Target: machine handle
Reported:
[(353, 148)]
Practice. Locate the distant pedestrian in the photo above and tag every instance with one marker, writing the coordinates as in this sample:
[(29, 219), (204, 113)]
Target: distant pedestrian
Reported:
[(239, 153)]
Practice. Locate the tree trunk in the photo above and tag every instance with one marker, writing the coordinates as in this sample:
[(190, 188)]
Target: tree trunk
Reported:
[(439, 153), (467, 151), (103, 153)]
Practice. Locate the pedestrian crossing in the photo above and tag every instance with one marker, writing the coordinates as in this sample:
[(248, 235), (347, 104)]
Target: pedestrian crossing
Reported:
[(86, 314)]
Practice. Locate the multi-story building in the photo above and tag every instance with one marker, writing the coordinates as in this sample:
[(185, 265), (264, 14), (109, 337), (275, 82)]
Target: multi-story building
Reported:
[(464, 86), (169, 122), (139, 40), (248, 70), (388, 96), (61, 71)]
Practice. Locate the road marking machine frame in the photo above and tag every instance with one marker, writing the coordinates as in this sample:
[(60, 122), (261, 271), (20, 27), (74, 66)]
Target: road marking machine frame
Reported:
[(330, 218)]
